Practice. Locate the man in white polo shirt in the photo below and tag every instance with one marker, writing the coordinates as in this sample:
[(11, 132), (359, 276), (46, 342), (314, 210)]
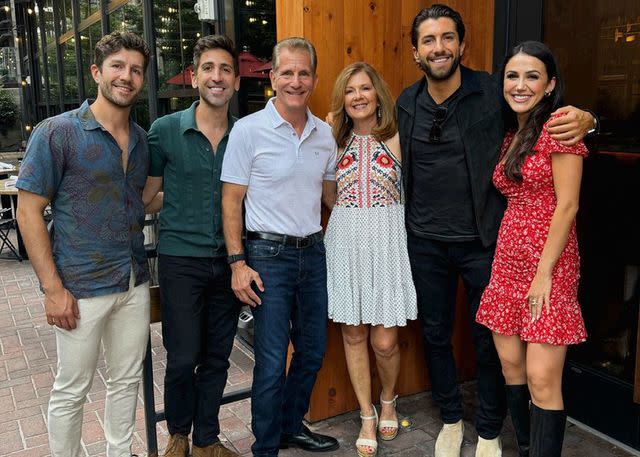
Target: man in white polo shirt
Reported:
[(280, 161)]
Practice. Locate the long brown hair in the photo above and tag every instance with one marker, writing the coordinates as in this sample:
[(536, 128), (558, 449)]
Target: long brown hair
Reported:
[(528, 135), (342, 124)]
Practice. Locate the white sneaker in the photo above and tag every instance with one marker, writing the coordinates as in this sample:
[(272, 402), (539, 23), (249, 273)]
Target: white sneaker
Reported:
[(489, 448), (449, 440)]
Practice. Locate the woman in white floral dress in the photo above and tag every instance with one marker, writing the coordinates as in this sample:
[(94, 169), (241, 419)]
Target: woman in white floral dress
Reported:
[(370, 288)]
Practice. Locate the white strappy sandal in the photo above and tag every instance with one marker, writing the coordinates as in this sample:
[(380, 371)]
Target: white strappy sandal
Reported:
[(391, 426), (363, 445)]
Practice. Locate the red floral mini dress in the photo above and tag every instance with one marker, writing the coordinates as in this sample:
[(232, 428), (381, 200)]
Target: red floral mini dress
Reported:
[(530, 205)]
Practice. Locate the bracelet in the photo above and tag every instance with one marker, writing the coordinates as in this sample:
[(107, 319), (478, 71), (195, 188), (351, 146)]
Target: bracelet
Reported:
[(235, 258)]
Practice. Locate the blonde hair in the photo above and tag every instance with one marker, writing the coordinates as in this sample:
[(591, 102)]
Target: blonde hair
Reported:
[(342, 124), (294, 43)]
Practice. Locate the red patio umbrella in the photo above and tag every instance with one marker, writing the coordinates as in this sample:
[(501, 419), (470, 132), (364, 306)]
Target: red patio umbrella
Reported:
[(183, 78)]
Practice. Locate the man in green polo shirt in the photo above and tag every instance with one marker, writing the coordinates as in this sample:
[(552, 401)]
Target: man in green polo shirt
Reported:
[(199, 309)]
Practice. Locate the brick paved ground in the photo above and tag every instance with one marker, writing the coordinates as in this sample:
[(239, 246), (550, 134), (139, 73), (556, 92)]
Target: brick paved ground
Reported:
[(27, 365)]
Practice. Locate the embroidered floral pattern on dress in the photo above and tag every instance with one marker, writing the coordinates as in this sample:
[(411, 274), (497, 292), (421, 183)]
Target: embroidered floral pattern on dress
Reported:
[(521, 239), (370, 174)]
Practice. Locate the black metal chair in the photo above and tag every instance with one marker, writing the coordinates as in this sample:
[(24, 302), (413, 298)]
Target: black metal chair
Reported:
[(6, 225)]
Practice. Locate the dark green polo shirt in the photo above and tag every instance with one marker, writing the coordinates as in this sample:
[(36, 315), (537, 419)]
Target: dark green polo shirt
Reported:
[(191, 217)]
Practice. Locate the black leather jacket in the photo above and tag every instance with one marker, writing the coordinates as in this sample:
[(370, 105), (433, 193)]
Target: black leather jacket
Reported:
[(479, 117)]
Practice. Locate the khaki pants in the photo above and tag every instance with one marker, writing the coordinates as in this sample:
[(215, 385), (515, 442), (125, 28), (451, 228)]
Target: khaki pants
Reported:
[(121, 322)]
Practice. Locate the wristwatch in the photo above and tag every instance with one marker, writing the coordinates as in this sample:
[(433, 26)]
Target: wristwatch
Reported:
[(596, 123), (234, 258)]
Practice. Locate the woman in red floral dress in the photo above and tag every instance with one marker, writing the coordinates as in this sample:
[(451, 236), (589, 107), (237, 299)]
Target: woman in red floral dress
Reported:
[(531, 301)]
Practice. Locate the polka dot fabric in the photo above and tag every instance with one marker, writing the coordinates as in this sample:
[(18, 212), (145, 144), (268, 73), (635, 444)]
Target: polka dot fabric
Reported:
[(521, 239), (368, 272)]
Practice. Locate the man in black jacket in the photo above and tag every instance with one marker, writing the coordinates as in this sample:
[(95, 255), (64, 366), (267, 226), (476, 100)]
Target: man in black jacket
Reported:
[(451, 130)]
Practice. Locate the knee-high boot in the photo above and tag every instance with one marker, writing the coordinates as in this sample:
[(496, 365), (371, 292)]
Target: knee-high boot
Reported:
[(518, 399), (547, 432)]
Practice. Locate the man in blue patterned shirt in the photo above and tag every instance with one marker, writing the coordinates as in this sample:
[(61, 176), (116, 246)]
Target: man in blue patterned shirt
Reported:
[(90, 165)]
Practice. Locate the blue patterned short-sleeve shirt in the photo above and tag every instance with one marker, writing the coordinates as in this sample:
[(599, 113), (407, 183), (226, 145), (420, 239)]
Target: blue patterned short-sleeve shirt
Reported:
[(97, 208)]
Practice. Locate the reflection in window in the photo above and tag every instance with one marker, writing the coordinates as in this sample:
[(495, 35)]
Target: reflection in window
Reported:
[(89, 37), (54, 86), (47, 10), (88, 7), (128, 18), (598, 49), (257, 27), (8, 61), (177, 30), (70, 77), (65, 14)]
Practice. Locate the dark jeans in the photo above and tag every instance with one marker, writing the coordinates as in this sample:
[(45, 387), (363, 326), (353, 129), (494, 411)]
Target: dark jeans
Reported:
[(436, 266), (199, 321), (294, 307)]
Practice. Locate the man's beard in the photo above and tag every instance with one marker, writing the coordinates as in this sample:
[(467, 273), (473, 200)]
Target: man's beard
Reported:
[(107, 92), (442, 75)]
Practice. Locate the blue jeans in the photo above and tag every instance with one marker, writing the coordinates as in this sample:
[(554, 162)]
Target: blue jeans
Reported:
[(294, 307), (436, 266)]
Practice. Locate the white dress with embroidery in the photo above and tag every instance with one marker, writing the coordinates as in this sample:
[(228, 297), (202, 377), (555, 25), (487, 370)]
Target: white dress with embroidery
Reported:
[(368, 273)]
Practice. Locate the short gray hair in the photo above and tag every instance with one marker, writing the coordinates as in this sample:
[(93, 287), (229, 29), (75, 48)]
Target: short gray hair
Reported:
[(294, 43)]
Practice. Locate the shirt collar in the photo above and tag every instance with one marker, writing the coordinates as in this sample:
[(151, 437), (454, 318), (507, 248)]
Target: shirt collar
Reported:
[(277, 120), (89, 122), (188, 119), (86, 117)]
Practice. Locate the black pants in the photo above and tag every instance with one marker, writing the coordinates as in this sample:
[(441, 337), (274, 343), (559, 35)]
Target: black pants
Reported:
[(199, 321), (435, 266)]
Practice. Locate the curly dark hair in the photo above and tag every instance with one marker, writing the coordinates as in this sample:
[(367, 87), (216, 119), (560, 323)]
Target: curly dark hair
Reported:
[(528, 135), (115, 41)]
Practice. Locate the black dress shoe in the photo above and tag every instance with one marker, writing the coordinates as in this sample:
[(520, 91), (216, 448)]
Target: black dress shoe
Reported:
[(309, 441)]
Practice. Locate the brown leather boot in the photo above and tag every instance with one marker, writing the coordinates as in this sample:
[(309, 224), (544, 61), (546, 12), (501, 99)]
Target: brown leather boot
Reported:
[(213, 450), (178, 446)]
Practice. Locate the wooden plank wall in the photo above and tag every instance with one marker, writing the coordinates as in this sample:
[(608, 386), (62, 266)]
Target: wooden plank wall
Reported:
[(379, 32)]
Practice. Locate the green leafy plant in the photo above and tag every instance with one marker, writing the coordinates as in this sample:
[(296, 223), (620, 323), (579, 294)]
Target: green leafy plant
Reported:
[(8, 112)]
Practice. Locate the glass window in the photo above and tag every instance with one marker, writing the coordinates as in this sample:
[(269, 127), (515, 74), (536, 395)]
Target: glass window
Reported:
[(177, 30), (256, 31), (598, 50), (88, 7), (38, 62), (54, 86), (70, 75), (89, 37), (8, 61), (65, 14), (127, 18), (257, 27), (47, 10)]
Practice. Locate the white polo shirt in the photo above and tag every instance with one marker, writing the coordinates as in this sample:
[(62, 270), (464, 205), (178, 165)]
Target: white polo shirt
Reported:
[(283, 172)]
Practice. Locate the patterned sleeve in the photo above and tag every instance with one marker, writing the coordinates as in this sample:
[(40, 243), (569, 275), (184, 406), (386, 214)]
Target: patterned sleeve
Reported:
[(42, 168), (551, 146)]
